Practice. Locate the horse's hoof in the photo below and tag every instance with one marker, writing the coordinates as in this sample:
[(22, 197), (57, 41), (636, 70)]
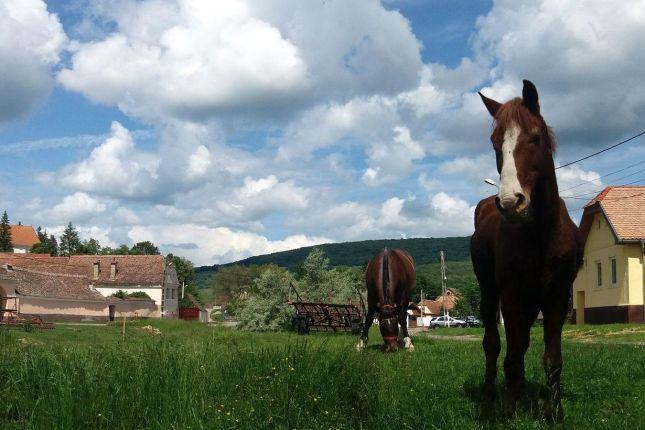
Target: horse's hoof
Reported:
[(489, 391), (407, 344), (360, 346), (553, 414)]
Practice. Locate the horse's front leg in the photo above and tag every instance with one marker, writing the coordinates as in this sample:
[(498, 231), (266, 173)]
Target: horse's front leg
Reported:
[(554, 315), (369, 320), (491, 344), (517, 322), (403, 322)]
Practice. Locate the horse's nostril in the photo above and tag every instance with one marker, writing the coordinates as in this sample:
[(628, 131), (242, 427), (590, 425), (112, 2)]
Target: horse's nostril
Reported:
[(520, 200)]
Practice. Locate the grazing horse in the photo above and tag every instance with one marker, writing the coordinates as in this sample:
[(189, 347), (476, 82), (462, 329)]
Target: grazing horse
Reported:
[(390, 278), (526, 251)]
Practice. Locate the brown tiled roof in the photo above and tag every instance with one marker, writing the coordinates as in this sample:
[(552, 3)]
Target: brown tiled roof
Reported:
[(624, 208), (68, 273), (23, 235), (130, 269), (43, 284), (436, 306)]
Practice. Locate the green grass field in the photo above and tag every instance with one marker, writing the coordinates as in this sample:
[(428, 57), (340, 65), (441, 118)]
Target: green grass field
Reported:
[(193, 376)]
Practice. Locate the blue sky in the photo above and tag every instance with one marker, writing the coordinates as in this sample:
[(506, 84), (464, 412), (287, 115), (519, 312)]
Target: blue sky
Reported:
[(220, 130)]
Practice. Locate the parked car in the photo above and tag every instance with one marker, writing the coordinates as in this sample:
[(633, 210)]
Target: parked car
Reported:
[(472, 321), (447, 321)]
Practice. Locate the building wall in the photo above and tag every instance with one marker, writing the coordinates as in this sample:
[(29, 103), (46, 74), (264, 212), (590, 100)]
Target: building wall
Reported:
[(55, 309), (156, 293), (605, 303), (135, 308)]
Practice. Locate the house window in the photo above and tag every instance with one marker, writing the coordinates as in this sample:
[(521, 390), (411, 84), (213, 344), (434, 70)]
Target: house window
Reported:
[(112, 270), (96, 270), (174, 293), (613, 271), (598, 274)]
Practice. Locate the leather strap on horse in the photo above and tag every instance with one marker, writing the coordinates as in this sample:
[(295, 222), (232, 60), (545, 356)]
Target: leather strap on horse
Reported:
[(385, 277), (390, 337)]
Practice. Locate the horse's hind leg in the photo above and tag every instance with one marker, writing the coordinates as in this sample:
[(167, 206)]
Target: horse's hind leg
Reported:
[(403, 322), (554, 316), (369, 320), (491, 343)]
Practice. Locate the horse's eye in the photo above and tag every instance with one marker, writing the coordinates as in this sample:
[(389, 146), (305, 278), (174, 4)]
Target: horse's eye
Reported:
[(535, 139)]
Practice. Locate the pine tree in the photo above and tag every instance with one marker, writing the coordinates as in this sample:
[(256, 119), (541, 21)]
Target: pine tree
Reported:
[(69, 241), (5, 234), (53, 246)]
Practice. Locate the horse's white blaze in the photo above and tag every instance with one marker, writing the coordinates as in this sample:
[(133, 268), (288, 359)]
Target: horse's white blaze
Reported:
[(509, 184)]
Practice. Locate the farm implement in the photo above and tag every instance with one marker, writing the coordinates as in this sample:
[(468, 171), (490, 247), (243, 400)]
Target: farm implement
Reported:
[(326, 316)]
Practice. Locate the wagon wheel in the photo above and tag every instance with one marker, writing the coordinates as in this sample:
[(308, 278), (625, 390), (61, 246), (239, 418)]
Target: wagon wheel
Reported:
[(303, 325), (357, 325)]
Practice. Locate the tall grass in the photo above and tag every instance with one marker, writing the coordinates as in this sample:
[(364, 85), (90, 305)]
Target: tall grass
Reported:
[(197, 377)]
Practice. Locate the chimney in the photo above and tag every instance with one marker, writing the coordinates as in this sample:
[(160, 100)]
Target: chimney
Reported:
[(113, 270), (97, 270)]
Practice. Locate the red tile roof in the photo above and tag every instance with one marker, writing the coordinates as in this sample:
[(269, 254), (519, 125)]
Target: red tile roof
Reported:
[(435, 307), (624, 208), (74, 276), (23, 235)]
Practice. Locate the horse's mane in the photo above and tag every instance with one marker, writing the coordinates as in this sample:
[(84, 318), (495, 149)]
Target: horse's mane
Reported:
[(514, 111)]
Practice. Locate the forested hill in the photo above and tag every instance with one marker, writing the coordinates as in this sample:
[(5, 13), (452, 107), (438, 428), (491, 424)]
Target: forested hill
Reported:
[(424, 250)]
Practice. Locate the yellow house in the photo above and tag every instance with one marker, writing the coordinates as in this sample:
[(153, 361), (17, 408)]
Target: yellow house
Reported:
[(611, 283)]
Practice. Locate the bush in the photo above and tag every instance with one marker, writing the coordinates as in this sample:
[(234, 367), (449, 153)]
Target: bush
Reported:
[(266, 309)]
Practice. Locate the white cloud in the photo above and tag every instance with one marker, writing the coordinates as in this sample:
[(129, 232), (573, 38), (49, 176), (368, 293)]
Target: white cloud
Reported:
[(260, 197), (584, 57), (75, 207), (204, 245), (31, 40), (436, 215), (392, 160), (198, 58), (114, 168)]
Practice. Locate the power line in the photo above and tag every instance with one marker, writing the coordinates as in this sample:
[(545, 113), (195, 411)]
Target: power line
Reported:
[(601, 151), (617, 179), (603, 176), (612, 200)]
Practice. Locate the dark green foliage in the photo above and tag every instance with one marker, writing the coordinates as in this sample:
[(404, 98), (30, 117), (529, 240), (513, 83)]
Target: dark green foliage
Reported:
[(359, 253), (135, 295), (184, 268), (120, 294), (144, 248), (89, 247), (139, 295), (47, 244), (70, 243), (5, 234), (231, 281)]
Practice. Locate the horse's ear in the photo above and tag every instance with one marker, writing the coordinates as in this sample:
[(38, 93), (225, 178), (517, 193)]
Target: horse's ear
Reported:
[(490, 104), (530, 97)]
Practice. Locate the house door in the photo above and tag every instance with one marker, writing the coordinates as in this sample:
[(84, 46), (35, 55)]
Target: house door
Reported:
[(580, 307), (111, 310)]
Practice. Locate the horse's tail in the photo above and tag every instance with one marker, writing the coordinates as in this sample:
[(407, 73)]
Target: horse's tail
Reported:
[(386, 274)]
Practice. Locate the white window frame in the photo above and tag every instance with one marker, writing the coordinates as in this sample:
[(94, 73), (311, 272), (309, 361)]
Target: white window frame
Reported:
[(613, 264), (598, 282)]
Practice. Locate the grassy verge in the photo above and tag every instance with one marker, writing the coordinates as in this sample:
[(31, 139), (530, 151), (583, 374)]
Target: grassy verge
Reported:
[(192, 376), (608, 333)]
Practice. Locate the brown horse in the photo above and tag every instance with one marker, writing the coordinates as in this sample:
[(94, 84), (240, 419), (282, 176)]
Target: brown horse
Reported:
[(390, 278), (526, 251)]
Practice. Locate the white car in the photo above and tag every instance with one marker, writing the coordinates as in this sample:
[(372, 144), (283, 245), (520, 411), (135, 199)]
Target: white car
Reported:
[(447, 321)]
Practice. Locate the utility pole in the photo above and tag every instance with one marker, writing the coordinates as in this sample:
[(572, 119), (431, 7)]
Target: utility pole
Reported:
[(443, 288), (183, 286)]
